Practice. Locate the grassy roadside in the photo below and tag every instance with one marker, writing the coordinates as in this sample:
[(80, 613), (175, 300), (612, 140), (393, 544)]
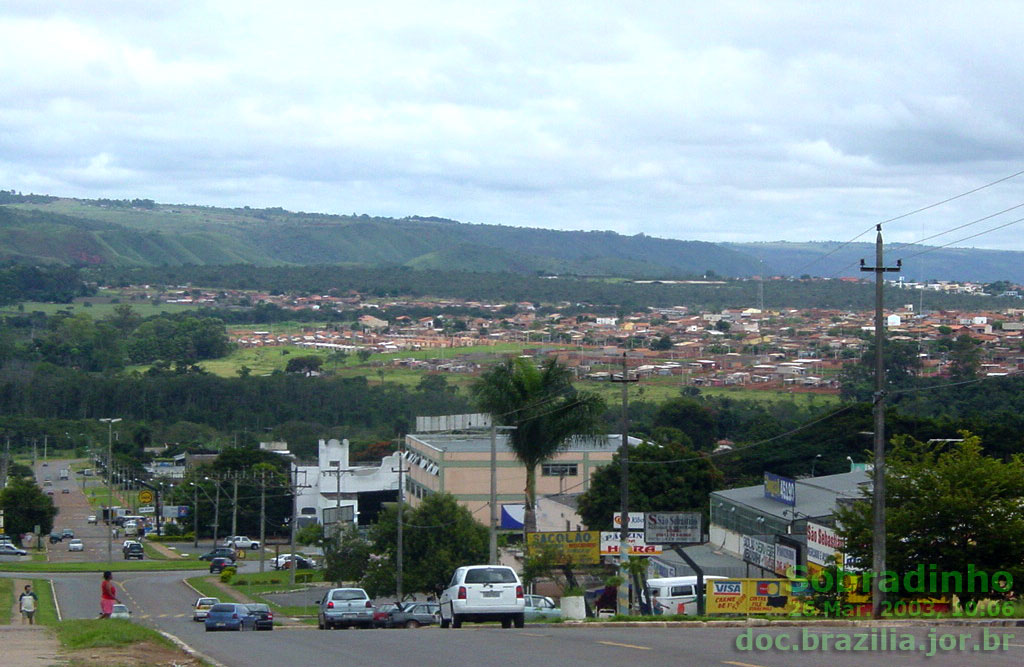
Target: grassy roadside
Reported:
[(6, 600), (117, 565), (46, 611), (99, 633)]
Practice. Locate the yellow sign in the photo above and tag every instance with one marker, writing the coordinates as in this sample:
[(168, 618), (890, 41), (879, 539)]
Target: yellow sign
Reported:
[(581, 547), (753, 596), (145, 497)]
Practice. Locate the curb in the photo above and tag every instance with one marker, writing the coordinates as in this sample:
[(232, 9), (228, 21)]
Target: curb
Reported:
[(785, 623), (191, 651)]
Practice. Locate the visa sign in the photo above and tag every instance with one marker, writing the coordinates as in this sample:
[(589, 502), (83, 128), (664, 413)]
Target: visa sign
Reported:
[(726, 587), (780, 489)]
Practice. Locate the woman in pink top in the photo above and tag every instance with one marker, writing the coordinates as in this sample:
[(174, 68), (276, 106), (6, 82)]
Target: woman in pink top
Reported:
[(108, 595)]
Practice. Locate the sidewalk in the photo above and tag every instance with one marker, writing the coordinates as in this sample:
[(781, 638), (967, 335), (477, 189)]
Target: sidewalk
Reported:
[(28, 646)]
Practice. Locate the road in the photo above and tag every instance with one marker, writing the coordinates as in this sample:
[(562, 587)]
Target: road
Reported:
[(163, 601)]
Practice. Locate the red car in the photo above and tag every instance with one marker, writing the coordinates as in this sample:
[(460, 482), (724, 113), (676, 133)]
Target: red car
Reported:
[(380, 615)]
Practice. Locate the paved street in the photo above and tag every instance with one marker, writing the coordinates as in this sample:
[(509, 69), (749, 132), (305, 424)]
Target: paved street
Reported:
[(163, 601)]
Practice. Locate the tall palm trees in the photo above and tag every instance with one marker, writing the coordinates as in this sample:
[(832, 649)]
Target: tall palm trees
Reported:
[(545, 409)]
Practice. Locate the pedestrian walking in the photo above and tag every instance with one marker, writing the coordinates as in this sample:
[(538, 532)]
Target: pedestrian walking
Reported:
[(27, 603), (108, 595)]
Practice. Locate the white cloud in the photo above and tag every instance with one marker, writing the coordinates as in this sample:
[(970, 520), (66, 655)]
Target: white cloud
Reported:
[(720, 121)]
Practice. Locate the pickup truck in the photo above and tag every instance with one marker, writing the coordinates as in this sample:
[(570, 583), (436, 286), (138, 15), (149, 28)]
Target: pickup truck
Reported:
[(240, 542)]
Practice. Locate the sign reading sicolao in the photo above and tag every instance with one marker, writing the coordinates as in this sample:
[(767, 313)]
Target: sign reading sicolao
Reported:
[(574, 546)]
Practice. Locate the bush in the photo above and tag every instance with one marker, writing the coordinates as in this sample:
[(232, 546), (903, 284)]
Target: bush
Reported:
[(227, 574), (184, 537)]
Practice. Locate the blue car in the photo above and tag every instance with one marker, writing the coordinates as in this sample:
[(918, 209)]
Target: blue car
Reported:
[(230, 616)]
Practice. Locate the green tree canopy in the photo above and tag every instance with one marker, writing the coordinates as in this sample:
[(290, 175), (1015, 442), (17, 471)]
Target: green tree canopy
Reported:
[(25, 507), (439, 536), (947, 505), (544, 409), (669, 477)]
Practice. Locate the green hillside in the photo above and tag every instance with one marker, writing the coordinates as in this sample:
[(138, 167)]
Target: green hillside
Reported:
[(91, 232)]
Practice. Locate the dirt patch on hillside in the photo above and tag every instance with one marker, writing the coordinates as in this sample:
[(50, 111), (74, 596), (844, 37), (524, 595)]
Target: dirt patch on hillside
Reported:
[(144, 654)]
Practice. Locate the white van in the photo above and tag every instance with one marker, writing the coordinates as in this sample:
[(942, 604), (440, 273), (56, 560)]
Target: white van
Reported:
[(677, 595)]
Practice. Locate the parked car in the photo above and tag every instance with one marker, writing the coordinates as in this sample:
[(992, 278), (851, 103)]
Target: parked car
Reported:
[(281, 562), (541, 608), (76, 545), (342, 607), (134, 550), (299, 562), (479, 593), (56, 537), (415, 614), (240, 542), (381, 612), (91, 518), (219, 552), (121, 611), (264, 617), (218, 564), (201, 607), (11, 550), (229, 616)]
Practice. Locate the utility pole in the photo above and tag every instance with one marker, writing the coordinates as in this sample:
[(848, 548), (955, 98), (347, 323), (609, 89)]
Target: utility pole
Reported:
[(623, 592), (195, 515), (398, 536), (494, 494), (46, 437), (878, 492), (216, 510), (263, 519), (295, 505), (3, 468), (110, 488), (234, 506)]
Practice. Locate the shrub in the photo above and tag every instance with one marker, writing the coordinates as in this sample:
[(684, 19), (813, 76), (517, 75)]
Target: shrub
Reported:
[(227, 574)]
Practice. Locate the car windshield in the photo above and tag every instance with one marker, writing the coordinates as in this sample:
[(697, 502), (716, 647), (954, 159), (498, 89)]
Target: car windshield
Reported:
[(348, 594), (207, 601), (258, 607), (223, 607), (491, 575)]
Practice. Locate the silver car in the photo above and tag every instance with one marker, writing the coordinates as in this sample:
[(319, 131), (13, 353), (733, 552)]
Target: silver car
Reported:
[(342, 607), (541, 608)]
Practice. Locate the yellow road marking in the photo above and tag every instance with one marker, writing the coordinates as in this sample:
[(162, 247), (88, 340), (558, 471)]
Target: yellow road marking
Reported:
[(642, 648), (739, 664)]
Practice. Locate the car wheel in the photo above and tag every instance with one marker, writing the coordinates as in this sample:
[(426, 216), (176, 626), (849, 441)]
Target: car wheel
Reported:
[(319, 624), (506, 623), (254, 547), (209, 629), (519, 620), (445, 623), (411, 624), (456, 622)]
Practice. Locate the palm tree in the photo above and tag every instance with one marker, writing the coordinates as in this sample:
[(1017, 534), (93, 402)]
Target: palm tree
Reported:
[(545, 409)]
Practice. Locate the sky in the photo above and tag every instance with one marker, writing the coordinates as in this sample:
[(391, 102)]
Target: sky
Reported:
[(713, 121)]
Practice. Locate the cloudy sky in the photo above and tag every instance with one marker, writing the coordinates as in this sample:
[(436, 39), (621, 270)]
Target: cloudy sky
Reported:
[(716, 121)]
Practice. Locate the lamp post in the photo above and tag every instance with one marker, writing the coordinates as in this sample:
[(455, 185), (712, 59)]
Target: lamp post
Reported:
[(110, 488), (814, 462)]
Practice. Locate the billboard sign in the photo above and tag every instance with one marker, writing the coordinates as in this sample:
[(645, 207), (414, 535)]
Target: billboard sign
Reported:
[(786, 560), (673, 528), (758, 552), (637, 545), (751, 596), (780, 489), (636, 521), (579, 547)]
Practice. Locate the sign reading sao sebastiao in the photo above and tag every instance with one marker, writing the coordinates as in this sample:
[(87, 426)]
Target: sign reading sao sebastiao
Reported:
[(578, 546)]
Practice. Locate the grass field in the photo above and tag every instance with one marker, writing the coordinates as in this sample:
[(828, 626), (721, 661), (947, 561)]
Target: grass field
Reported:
[(6, 600), (100, 633), (46, 612), (121, 565), (98, 307)]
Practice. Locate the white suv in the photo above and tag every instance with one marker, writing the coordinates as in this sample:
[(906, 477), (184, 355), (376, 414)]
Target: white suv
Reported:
[(480, 593), (240, 542)]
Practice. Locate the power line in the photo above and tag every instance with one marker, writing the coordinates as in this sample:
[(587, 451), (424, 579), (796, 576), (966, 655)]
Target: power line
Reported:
[(906, 215)]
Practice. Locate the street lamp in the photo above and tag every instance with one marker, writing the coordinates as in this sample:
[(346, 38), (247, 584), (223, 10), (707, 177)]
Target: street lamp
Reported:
[(110, 488), (814, 462)]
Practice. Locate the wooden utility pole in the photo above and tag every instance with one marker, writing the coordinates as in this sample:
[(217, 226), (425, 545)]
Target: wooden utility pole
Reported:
[(623, 592), (878, 478), (263, 519)]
